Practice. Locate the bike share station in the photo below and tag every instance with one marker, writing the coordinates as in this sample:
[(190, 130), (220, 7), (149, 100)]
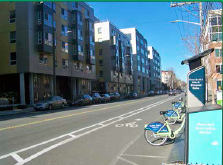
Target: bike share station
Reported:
[(203, 136)]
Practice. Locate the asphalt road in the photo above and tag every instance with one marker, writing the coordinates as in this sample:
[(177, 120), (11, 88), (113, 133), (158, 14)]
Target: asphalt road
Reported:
[(103, 134)]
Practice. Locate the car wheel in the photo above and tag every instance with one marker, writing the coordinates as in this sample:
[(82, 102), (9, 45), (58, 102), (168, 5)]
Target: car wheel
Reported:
[(62, 106), (50, 107)]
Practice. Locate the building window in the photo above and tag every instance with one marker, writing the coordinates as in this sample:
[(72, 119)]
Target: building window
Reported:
[(49, 4), (63, 13), (48, 19), (64, 30), (219, 84), (12, 37), (80, 50), (100, 40), (64, 47), (39, 37), (219, 68), (13, 60), (139, 68), (101, 73), (99, 30), (92, 40), (218, 52), (54, 25), (12, 16), (100, 62), (79, 34), (100, 52), (92, 54), (48, 39), (76, 66), (79, 7), (86, 13), (43, 59), (91, 26), (39, 15), (215, 28), (65, 64), (54, 7), (46, 82), (79, 20)]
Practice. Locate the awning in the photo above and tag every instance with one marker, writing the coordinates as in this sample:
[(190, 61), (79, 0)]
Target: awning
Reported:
[(197, 57)]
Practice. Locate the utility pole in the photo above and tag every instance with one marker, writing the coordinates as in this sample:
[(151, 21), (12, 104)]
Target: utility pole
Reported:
[(54, 58)]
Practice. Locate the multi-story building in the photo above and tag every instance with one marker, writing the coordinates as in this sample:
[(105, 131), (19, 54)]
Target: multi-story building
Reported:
[(169, 78), (154, 68), (113, 59), (28, 32), (140, 60), (213, 39)]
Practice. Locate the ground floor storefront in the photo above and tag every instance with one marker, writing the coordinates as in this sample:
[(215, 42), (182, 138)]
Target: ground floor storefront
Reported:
[(31, 87)]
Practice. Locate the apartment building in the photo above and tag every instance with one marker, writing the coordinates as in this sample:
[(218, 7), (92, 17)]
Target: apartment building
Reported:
[(114, 63), (154, 68), (30, 33), (140, 60), (213, 39)]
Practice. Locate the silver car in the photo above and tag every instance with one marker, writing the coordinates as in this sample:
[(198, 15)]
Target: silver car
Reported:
[(50, 103)]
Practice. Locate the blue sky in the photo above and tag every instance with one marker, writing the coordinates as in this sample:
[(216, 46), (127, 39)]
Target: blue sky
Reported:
[(153, 20)]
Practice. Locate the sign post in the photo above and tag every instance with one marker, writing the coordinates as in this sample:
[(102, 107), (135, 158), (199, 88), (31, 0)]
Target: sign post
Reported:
[(196, 87)]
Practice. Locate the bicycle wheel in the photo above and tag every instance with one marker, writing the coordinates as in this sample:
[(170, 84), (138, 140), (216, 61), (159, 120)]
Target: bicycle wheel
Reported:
[(154, 139)]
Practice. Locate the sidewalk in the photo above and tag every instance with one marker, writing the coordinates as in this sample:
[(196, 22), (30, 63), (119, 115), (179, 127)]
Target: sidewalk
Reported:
[(16, 111)]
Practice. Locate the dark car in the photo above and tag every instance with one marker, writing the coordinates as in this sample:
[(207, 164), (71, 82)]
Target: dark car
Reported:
[(50, 103), (96, 98), (114, 96), (172, 93), (82, 100), (105, 98), (132, 95)]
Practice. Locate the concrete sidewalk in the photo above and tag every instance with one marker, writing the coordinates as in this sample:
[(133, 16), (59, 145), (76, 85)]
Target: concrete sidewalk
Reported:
[(16, 111)]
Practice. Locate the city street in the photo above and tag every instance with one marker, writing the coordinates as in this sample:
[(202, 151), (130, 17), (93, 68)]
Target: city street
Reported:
[(101, 134)]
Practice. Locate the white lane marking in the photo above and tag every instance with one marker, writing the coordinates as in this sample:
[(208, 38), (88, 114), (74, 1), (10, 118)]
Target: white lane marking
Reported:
[(144, 156), (120, 153), (70, 139), (17, 157), (95, 105), (138, 119), (125, 160)]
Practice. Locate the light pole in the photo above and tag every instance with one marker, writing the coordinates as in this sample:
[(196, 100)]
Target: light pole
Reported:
[(119, 73), (54, 60), (178, 21)]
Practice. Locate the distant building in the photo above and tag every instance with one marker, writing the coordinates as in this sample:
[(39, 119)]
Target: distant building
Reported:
[(169, 78), (140, 60), (213, 39), (113, 59), (26, 46), (154, 68)]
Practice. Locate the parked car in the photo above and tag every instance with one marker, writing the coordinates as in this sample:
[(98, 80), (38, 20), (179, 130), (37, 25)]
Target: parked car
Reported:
[(105, 98), (96, 98), (50, 103), (151, 93), (132, 95), (172, 93), (82, 100), (114, 96)]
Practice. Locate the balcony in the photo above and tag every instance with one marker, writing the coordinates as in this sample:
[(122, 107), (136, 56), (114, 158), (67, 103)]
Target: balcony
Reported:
[(78, 56)]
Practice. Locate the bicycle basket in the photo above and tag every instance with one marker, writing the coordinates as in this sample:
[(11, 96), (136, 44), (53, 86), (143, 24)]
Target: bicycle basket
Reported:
[(156, 126), (170, 113), (177, 105)]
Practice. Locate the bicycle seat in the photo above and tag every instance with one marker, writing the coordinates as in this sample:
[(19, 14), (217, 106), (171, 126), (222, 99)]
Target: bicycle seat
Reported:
[(173, 102), (163, 112)]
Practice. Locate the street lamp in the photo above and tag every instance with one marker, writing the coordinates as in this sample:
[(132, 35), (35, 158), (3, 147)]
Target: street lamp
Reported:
[(119, 72), (54, 61), (178, 21)]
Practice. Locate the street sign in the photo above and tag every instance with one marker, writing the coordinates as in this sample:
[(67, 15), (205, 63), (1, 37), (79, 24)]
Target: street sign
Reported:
[(196, 87), (204, 137)]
